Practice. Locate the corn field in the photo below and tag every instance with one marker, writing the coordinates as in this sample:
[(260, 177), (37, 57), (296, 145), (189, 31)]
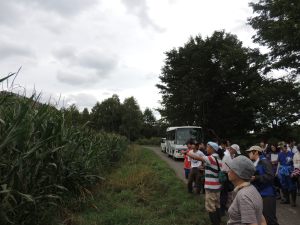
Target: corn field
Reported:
[(45, 163)]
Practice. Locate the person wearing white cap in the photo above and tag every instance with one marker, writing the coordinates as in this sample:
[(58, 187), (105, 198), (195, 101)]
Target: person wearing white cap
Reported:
[(247, 205), (227, 189), (212, 184)]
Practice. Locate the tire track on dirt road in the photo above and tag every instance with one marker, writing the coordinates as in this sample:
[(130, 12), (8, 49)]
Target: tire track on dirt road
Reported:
[(286, 214)]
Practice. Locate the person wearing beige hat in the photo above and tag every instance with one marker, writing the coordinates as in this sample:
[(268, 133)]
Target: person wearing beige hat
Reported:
[(247, 205), (263, 180)]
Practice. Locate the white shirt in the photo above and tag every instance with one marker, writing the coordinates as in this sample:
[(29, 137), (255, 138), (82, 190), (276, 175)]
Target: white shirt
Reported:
[(194, 162), (256, 162), (294, 149), (296, 160)]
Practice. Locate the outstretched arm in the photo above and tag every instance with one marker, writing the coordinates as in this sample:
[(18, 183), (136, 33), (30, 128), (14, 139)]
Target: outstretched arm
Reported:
[(196, 157)]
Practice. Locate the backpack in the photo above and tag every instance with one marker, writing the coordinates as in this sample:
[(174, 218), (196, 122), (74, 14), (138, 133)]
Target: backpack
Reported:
[(221, 175)]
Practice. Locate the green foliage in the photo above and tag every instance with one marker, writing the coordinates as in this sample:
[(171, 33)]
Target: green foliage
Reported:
[(107, 115), (47, 162), (153, 141), (279, 105), (210, 82), (144, 190), (278, 27), (131, 119)]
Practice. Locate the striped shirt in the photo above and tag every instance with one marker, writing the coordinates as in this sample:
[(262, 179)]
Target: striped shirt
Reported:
[(211, 172)]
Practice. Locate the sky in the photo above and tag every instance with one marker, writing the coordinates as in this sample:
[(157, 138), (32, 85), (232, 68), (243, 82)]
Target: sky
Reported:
[(84, 51)]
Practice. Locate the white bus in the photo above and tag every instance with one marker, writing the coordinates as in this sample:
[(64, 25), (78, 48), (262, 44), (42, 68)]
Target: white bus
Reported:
[(177, 137)]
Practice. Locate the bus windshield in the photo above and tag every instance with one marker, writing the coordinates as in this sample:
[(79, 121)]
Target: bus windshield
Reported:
[(183, 134)]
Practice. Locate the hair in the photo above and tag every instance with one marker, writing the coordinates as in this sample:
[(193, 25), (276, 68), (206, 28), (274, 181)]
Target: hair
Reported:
[(221, 153)]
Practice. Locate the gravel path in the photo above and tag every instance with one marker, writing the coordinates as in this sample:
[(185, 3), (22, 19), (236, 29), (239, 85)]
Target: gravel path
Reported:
[(285, 213)]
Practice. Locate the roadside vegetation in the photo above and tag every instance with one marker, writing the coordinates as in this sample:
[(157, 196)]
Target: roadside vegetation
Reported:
[(48, 165), (142, 190)]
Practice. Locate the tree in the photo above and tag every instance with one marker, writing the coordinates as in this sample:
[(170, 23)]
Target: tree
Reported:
[(278, 27), (132, 119), (210, 82), (149, 117), (85, 116), (107, 114), (149, 128), (71, 115), (279, 108)]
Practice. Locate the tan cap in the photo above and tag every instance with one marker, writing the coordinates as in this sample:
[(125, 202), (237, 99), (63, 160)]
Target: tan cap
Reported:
[(254, 148)]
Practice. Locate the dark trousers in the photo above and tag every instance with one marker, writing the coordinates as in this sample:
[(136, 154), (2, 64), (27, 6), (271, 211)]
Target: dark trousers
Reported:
[(194, 176), (269, 210)]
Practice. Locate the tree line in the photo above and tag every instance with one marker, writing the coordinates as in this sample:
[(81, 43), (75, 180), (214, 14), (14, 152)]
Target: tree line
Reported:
[(113, 116), (219, 84)]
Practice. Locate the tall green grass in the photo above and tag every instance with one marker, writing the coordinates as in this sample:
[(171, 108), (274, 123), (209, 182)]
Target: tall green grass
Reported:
[(143, 190), (46, 164)]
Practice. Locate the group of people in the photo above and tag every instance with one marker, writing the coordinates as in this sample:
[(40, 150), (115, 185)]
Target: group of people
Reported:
[(246, 187)]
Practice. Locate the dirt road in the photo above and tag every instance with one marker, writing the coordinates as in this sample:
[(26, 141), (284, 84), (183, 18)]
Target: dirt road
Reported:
[(285, 213)]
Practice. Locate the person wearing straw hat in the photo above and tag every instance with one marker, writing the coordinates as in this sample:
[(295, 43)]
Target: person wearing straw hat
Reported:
[(247, 206)]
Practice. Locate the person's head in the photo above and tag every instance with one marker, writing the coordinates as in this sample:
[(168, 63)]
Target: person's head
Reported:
[(262, 144), (189, 143), (212, 147), (234, 149), (273, 148), (292, 143), (201, 146), (194, 145), (224, 144), (254, 152), (227, 143), (240, 169), (285, 148)]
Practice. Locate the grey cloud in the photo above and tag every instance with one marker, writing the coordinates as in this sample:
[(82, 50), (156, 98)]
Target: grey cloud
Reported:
[(82, 99), (62, 7), (77, 79), (9, 49), (106, 93), (139, 8), (9, 12), (101, 62), (95, 64), (68, 53)]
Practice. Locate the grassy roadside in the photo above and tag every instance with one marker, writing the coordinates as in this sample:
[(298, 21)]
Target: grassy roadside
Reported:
[(143, 190)]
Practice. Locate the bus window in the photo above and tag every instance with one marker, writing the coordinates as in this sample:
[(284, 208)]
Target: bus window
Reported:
[(183, 134)]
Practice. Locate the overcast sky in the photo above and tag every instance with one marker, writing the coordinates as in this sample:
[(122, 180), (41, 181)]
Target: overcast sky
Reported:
[(87, 50)]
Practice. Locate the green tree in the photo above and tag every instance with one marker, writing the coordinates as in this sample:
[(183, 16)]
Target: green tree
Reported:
[(85, 116), (132, 119), (149, 128), (210, 82), (107, 114), (149, 117), (279, 108), (278, 27), (71, 115)]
